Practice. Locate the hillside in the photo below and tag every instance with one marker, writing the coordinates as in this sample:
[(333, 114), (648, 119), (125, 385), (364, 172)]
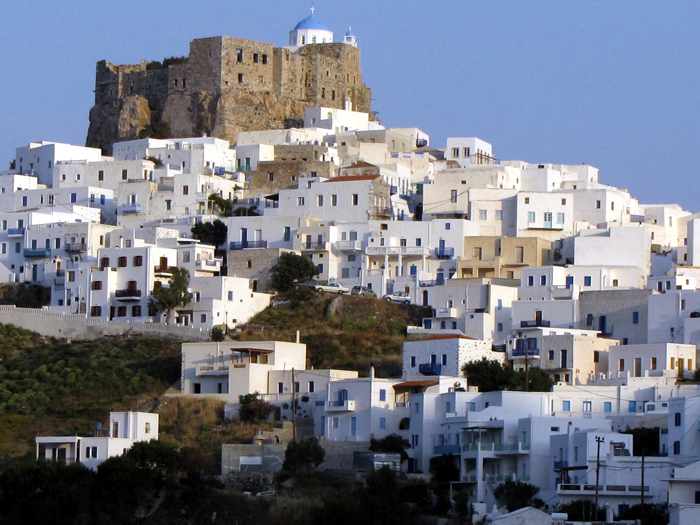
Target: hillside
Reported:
[(346, 332)]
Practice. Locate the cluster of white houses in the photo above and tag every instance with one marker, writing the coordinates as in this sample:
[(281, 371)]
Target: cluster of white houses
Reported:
[(533, 264)]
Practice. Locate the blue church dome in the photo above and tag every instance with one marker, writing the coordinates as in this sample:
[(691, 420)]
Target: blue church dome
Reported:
[(312, 23)]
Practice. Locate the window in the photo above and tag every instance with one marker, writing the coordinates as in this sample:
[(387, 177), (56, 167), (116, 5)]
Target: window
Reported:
[(334, 200), (96, 285), (300, 201), (621, 365), (551, 355), (677, 418), (531, 280), (566, 406), (499, 215), (589, 320), (185, 190), (635, 317), (531, 217), (632, 407), (676, 448), (413, 361), (453, 196), (125, 174), (597, 205), (382, 423), (96, 311), (483, 215), (563, 202), (543, 280), (527, 200), (596, 356), (100, 175), (444, 359), (121, 262), (587, 280), (560, 218), (355, 199), (240, 78), (382, 394), (588, 406), (136, 310), (138, 260), (312, 387), (607, 407)]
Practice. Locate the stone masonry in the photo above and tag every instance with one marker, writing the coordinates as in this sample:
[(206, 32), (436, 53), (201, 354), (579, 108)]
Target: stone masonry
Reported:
[(224, 86)]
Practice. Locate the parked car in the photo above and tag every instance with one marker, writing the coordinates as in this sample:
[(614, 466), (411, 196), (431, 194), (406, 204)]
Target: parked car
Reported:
[(332, 288), (363, 291), (398, 298)]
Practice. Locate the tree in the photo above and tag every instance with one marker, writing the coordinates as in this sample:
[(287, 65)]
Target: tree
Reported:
[(391, 444), (213, 233), (381, 500), (647, 514), (290, 269), (303, 456), (491, 376), (252, 408), (218, 333), (221, 206), (514, 495), (444, 468), (168, 298)]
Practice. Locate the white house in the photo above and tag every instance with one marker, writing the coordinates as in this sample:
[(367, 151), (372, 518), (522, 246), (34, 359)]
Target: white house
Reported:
[(125, 429)]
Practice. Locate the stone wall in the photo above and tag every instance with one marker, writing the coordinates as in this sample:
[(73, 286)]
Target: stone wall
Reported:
[(224, 86), (254, 264), (74, 326)]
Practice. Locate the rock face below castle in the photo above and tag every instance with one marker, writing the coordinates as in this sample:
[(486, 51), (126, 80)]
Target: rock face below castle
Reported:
[(224, 86)]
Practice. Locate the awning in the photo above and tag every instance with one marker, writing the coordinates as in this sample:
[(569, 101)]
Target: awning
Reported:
[(407, 385)]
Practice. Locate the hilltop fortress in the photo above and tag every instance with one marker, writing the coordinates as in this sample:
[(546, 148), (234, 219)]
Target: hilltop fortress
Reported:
[(226, 85)]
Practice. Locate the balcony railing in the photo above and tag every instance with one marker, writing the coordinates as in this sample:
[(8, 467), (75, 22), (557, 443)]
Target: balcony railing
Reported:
[(127, 209), (444, 253), (74, 247), (162, 270), (449, 313), (15, 232), (535, 324), (341, 405), (245, 245), (446, 450), (430, 369), (314, 246), (532, 352), (584, 489), (37, 252), (348, 246), (210, 265), (128, 293)]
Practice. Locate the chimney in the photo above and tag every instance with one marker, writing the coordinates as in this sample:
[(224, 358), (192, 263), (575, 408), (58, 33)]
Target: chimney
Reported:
[(371, 371), (298, 337)]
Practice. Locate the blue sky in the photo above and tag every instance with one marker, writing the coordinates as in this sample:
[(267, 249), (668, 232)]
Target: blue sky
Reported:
[(611, 83)]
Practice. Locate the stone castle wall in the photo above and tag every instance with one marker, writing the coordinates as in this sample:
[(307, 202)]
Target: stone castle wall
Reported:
[(224, 86)]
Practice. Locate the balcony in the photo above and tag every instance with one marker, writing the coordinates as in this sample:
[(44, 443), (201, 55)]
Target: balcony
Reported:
[(574, 489), (209, 265), (396, 250), (130, 209), (162, 271), (535, 324), (211, 370), (522, 353), (348, 246), (430, 369), (128, 294), (562, 292), (245, 245), (346, 405), (446, 313), (74, 247), (35, 253), (444, 253), (512, 448), (15, 232), (318, 246), (446, 450)]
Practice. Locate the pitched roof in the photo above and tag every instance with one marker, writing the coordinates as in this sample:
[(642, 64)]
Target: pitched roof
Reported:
[(350, 178)]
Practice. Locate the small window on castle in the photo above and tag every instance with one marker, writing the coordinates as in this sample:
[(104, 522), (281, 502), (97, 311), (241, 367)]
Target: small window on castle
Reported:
[(255, 58), (264, 59), (175, 82), (240, 78), (323, 92), (333, 95), (239, 55)]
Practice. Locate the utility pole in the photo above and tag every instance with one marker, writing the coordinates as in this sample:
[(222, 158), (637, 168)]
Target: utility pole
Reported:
[(598, 440), (527, 371), (294, 408), (642, 493)]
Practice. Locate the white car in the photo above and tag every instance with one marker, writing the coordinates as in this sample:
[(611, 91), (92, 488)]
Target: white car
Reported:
[(332, 288), (398, 298)]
